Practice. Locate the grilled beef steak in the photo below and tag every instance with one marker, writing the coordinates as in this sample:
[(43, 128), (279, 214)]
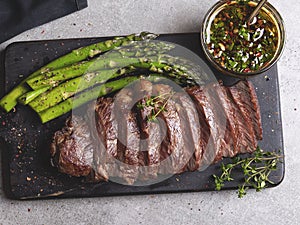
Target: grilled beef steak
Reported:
[(245, 97), (187, 131), (128, 136), (151, 133), (192, 129), (72, 148)]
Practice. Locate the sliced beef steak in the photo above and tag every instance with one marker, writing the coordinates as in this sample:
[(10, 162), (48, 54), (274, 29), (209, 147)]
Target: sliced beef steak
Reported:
[(128, 135), (151, 133), (212, 122), (246, 139), (229, 145), (245, 97), (72, 148), (173, 155), (195, 129), (107, 127), (192, 129)]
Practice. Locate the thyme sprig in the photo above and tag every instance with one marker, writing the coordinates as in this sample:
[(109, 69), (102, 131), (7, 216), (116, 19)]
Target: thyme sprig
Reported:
[(157, 103), (256, 171)]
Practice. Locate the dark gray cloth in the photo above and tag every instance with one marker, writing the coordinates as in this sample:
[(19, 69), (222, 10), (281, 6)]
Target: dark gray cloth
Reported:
[(17, 16)]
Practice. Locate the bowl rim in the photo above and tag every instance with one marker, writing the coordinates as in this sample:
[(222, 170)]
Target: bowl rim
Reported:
[(274, 60)]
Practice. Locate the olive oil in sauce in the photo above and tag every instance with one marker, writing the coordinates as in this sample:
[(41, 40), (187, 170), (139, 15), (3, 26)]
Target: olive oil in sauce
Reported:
[(238, 46)]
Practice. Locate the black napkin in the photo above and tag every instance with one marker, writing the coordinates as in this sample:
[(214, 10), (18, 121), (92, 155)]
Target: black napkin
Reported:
[(17, 16)]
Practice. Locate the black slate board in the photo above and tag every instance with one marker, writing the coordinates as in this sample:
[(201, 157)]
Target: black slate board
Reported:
[(26, 169)]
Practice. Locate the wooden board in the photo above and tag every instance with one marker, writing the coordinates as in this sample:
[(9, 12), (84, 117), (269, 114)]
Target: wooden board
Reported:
[(26, 168)]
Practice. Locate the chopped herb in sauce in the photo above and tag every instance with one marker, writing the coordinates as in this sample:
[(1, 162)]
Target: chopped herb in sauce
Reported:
[(238, 46)]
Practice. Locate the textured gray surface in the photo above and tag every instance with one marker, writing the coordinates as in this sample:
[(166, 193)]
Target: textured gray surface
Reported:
[(279, 205)]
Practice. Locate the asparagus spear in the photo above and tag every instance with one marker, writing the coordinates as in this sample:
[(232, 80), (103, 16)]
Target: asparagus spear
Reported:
[(9, 101), (90, 51), (198, 74), (29, 96), (178, 73), (116, 58), (86, 96)]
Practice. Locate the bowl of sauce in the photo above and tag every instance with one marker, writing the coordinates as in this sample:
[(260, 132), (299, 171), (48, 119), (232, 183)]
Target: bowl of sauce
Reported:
[(238, 48)]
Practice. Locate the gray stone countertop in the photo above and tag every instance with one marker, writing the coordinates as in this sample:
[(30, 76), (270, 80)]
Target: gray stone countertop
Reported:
[(280, 205)]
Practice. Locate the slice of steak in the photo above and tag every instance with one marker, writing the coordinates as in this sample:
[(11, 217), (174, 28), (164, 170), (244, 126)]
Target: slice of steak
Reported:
[(245, 96), (220, 118), (72, 148), (192, 130), (157, 131), (106, 155), (230, 145), (246, 137), (212, 121), (173, 156), (143, 90), (243, 139), (151, 133), (199, 100), (128, 135)]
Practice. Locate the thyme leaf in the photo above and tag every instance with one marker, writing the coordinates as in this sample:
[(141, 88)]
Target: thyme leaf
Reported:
[(156, 103)]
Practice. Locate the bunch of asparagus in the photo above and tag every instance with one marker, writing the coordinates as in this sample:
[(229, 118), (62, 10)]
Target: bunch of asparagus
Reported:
[(97, 70)]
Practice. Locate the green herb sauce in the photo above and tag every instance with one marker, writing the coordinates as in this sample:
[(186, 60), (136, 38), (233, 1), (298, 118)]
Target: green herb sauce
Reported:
[(238, 46)]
